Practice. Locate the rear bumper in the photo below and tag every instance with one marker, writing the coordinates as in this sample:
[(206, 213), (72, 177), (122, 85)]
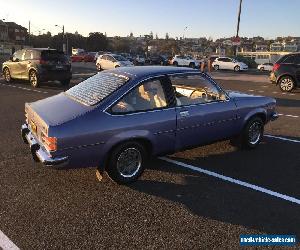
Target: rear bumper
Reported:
[(38, 152), (51, 75)]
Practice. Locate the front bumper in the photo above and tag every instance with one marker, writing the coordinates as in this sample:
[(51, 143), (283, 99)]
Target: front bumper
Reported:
[(38, 152)]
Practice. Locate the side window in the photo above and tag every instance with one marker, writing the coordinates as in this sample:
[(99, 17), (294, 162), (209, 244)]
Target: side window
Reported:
[(227, 60), (221, 59), (18, 55), (148, 96), (35, 54), (27, 55), (290, 59), (194, 89), (104, 57), (297, 59)]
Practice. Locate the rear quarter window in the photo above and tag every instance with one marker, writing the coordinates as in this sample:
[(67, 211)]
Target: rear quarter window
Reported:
[(94, 89)]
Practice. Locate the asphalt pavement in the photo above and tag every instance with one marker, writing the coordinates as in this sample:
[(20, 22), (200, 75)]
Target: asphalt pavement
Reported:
[(183, 204)]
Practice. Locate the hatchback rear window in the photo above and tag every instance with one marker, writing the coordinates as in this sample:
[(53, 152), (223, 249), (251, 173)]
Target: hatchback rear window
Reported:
[(50, 55), (96, 88)]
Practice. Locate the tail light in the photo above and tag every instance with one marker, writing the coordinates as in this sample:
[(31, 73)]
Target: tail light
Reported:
[(43, 61), (276, 66), (50, 143)]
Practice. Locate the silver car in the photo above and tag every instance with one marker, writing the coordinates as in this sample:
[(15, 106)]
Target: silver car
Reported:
[(111, 61)]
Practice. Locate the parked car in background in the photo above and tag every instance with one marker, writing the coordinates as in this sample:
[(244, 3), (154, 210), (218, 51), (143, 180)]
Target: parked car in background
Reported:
[(265, 67), (111, 61), (286, 72), (139, 60), (179, 60), (83, 57), (109, 121), (156, 60), (229, 63), (38, 65)]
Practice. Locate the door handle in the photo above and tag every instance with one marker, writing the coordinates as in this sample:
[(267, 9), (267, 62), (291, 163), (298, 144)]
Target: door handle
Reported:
[(184, 113)]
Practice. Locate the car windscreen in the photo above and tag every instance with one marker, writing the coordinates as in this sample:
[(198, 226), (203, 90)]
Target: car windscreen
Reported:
[(120, 58), (94, 89), (51, 55)]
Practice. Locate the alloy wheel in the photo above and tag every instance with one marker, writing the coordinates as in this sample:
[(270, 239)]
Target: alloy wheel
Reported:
[(255, 131), (286, 84), (129, 162)]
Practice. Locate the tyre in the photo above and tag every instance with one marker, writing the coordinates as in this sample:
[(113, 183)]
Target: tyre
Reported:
[(126, 162), (262, 69), (6, 75), (175, 64), (286, 84), (216, 67), (192, 65), (252, 133), (99, 67), (33, 79), (65, 82), (117, 66), (236, 68)]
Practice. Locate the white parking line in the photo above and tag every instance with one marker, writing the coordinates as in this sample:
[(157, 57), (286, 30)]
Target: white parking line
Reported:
[(282, 138), (293, 116), (235, 181), (6, 243), (34, 90)]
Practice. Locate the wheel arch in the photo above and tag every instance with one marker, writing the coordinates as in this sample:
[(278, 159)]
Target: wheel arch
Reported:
[(145, 142), (258, 113), (283, 75)]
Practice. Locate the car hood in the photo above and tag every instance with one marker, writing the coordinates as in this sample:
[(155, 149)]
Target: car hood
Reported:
[(236, 94), (57, 109)]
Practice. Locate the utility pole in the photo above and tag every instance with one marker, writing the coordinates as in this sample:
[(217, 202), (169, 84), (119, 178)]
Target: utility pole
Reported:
[(29, 33), (238, 24)]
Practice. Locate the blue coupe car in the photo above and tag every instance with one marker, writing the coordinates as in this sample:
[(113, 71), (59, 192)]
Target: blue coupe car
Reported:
[(118, 118)]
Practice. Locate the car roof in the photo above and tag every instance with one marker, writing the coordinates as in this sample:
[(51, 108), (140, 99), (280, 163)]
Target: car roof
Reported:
[(151, 71)]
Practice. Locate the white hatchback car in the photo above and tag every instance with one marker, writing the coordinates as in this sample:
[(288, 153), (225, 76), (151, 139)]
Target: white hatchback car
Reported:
[(229, 63), (111, 61), (265, 67), (178, 60)]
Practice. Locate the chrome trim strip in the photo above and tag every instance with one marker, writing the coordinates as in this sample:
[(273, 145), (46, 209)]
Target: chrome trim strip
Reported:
[(166, 75)]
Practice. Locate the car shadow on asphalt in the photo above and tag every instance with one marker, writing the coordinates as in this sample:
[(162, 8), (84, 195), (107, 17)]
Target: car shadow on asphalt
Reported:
[(283, 102), (216, 199)]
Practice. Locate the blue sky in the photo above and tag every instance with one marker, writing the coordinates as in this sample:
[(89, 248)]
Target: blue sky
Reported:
[(267, 18)]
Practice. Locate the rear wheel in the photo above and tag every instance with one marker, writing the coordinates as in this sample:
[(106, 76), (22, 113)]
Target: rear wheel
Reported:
[(262, 69), (7, 76), (286, 83), (127, 162), (33, 79), (99, 67), (175, 64), (65, 82), (216, 67), (192, 65)]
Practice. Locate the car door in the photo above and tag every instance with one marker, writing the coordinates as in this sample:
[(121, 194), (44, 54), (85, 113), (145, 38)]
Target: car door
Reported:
[(16, 65), (228, 63), (25, 63), (145, 112), (103, 62), (221, 63), (110, 62), (204, 112)]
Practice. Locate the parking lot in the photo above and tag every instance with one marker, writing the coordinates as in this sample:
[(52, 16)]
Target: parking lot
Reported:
[(196, 199)]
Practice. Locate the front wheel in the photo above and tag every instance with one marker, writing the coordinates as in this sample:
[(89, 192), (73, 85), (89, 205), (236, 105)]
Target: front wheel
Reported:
[(192, 65), (175, 64), (127, 162), (253, 133), (7, 76), (286, 83), (216, 67), (236, 68), (65, 82), (33, 79), (262, 69)]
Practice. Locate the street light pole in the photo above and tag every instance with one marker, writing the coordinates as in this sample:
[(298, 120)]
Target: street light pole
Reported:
[(238, 24), (63, 33)]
